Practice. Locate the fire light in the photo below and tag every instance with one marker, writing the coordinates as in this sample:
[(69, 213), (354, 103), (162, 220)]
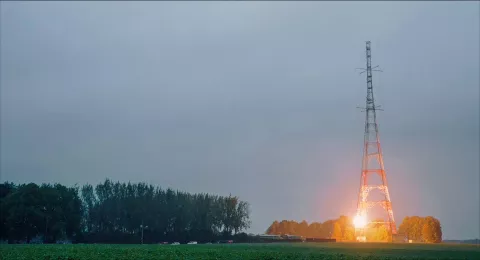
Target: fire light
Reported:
[(359, 221)]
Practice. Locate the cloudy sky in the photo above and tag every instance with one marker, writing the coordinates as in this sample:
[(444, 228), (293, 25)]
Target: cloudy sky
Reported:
[(254, 99)]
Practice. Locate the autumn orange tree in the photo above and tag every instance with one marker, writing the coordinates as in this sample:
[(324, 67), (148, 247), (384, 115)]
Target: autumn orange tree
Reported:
[(421, 229), (378, 232)]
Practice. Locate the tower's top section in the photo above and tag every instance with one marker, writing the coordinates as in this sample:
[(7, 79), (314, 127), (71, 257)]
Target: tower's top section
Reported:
[(370, 101), (368, 70)]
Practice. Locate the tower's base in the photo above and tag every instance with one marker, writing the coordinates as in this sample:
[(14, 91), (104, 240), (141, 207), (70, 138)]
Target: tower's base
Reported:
[(361, 239)]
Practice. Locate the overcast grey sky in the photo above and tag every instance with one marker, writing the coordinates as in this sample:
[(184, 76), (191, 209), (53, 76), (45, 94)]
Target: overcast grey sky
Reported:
[(253, 99)]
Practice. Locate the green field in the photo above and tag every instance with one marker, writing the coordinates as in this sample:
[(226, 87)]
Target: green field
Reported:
[(242, 251)]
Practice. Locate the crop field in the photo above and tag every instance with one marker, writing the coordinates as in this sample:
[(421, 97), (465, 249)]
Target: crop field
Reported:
[(242, 251)]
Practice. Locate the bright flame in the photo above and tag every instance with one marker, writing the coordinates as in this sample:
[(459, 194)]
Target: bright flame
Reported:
[(359, 221)]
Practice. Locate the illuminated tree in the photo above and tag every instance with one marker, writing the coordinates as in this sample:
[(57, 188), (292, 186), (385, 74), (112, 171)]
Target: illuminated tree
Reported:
[(382, 234), (418, 229), (431, 230), (349, 233), (303, 229), (405, 228), (273, 229), (437, 231), (327, 228), (337, 231)]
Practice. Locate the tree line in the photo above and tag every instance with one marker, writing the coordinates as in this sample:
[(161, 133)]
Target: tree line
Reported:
[(341, 229), (417, 229), (114, 212)]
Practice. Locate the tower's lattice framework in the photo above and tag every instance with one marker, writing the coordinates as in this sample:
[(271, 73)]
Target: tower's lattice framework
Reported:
[(373, 151)]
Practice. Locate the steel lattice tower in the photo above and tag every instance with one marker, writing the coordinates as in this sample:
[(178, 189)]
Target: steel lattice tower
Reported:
[(373, 151)]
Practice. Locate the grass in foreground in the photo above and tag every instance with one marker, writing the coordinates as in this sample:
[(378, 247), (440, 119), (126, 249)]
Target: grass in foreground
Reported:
[(242, 251)]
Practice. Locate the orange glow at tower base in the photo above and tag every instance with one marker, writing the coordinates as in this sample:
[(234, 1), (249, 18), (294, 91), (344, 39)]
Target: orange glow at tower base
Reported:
[(359, 221)]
